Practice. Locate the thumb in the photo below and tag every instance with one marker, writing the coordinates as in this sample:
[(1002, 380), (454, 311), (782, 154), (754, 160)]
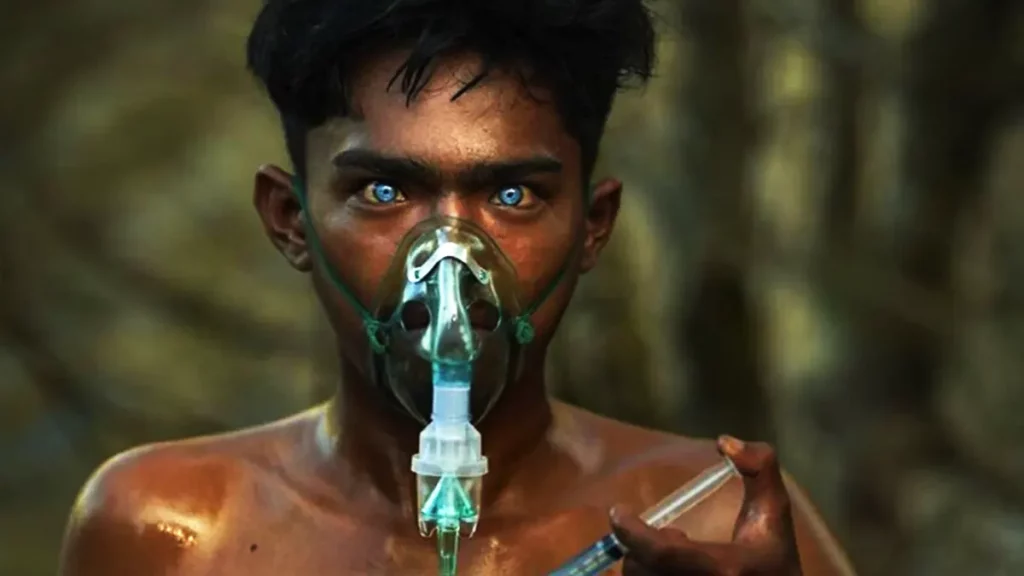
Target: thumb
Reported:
[(766, 507)]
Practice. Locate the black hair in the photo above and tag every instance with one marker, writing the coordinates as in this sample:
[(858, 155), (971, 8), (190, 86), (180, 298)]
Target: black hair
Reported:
[(579, 51)]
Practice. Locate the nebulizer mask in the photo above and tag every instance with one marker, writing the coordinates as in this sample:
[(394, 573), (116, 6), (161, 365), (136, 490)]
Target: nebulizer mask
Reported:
[(449, 316), (446, 331)]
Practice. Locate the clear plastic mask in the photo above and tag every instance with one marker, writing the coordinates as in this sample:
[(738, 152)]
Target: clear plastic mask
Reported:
[(450, 297)]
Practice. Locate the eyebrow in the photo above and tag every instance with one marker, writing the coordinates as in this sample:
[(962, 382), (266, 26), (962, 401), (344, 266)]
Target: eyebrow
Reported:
[(475, 177), (393, 167), (489, 174)]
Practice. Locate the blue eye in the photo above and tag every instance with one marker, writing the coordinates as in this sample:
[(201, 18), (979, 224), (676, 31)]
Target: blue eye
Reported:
[(380, 193), (511, 196), (383, 192)]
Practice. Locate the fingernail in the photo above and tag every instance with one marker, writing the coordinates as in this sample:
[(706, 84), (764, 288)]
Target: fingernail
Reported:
[(732, 445), (617, 512)]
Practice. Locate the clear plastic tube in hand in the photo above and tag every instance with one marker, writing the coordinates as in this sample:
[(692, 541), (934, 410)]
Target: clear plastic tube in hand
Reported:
[(608, 550)]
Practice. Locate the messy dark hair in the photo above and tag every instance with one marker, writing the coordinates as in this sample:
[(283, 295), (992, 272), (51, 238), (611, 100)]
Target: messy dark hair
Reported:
[(581, 52)]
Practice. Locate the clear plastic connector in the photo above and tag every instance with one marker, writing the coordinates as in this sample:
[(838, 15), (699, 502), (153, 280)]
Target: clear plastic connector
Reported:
[(449, 502)]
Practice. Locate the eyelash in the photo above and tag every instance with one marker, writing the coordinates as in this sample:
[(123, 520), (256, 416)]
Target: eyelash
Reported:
[(364, 188), (361, 187)]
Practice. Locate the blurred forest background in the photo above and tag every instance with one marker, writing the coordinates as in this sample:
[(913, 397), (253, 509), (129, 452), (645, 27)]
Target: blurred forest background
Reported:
[(822, 245)]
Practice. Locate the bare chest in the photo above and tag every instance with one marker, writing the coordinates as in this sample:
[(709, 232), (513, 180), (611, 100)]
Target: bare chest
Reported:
[(278, 534), (315, 548), (303, 545)]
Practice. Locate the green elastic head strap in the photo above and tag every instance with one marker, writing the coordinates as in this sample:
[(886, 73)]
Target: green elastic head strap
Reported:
[(370, 324), (523, 327)]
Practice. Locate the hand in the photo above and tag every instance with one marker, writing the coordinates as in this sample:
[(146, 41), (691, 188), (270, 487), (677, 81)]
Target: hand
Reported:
[(763, 540)]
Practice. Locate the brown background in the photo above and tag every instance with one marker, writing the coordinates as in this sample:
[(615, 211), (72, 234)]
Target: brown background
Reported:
[(822, 244)]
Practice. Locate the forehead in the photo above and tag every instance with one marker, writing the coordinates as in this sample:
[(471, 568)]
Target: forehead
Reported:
[(498, 118)]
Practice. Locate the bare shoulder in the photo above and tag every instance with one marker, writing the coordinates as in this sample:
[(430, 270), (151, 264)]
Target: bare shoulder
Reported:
[(162, 508), (629, 448), (650, 464), (146, 511), (640, 465)]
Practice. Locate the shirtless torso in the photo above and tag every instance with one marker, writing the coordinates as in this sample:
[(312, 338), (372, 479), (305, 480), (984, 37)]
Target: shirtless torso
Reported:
[(249, 503)]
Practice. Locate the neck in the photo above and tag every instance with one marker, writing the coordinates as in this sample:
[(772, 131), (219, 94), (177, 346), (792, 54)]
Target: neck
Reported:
[(372, 443)]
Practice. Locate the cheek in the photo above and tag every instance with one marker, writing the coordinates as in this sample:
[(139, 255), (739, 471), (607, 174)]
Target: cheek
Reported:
[(542, 250), (360, 256), (549, 315), (358, 247), (347, 325), (359, 261)]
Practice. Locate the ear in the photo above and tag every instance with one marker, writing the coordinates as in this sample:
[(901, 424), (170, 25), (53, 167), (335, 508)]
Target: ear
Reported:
[(600, 219), (281, 213)]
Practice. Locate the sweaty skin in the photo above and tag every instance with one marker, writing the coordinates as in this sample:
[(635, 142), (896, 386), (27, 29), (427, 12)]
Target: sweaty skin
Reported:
[(329, 491)]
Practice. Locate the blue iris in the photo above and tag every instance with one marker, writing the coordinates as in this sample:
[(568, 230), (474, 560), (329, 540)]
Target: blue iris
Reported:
[(511, 196), (383, 193)]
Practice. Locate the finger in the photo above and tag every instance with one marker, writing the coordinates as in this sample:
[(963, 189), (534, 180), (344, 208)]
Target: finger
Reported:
[(766, 508), (632, 532), (657, 548), (633, 567)]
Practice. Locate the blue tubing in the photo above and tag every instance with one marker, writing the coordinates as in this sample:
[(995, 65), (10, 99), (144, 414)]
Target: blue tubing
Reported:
[(599, 557)]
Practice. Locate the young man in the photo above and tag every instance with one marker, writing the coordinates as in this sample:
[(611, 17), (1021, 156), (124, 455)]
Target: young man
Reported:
[(405, 116)]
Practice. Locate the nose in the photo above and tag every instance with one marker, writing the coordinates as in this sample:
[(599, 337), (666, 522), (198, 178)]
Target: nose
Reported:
[(450, 334), (452, 205)]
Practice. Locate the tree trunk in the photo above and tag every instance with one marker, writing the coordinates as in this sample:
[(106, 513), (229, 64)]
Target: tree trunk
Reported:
[(720, 328), (883, 414)]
